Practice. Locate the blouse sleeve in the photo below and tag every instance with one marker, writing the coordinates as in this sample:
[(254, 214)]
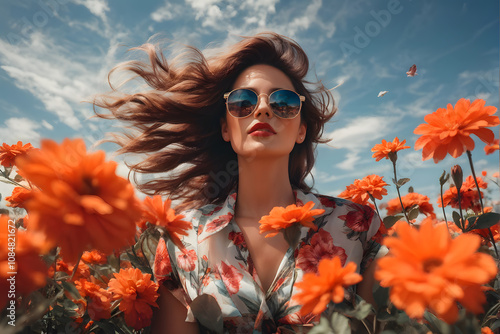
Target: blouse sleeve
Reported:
[(177, 269)]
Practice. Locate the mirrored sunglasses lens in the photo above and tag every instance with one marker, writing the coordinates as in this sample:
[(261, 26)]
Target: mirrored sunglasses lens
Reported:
[(241, 102), (285, 103)]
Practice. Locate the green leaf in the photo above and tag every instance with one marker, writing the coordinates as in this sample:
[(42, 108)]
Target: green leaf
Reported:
[(322, 328), (106, 326), (444, 178), (340, 324), (381, 296), (71, 289), (389, 221), (483, 221), (114, 262), (402, 182), (208, 313), (457, 219), (435, 324), (362, 310), (495, 325), (413, 214), (149, 244)]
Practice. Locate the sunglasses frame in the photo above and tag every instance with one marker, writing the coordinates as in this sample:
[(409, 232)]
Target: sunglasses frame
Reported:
[(301, 99)]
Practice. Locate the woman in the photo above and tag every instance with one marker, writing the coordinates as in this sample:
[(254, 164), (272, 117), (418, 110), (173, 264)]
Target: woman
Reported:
[(237, 133)]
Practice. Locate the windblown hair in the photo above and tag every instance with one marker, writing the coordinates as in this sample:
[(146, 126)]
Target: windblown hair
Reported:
[(177, 122)]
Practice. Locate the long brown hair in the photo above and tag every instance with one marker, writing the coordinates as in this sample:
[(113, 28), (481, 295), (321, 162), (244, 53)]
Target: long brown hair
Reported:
[(177, 122)]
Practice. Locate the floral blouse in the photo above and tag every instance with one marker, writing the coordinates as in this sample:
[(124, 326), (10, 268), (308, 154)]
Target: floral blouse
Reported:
[(216, 262)]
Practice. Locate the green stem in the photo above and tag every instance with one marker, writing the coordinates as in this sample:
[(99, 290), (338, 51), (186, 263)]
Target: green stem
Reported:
[(459, 198), (469, 155), (375, 204), (399, 194), (12, 181), (76, 266), (444, 212)]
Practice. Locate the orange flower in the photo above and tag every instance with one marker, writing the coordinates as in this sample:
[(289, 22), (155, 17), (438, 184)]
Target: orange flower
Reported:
[(83, 270), (159, 213), (18, 198), (99, 299), (83, 203), (20, 261), (94, 257), (449, 130), (281, 218), (469, 195), (359, 190), (490, 148), (486, 330), (452, 227), (426, 268), (382, 150), (485, 234), (410, 200), (318, 290), (9, 153), (137, 293)]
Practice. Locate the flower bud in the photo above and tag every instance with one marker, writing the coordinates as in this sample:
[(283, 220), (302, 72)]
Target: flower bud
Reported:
[(457, 175)]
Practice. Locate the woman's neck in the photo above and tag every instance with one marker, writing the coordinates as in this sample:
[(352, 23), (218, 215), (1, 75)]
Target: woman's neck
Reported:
[(262, 185)]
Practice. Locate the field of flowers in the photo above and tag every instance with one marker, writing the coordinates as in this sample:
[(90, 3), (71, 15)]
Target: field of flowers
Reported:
[(80, 261)]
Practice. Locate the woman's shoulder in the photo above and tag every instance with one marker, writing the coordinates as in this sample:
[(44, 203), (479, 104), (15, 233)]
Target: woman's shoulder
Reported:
[(333, 202), (200, 215)]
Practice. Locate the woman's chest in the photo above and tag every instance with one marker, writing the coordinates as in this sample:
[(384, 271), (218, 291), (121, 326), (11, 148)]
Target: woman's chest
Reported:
[(265, 254)]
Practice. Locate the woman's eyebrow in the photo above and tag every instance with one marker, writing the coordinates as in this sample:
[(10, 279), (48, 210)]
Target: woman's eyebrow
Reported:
[(269, 92)]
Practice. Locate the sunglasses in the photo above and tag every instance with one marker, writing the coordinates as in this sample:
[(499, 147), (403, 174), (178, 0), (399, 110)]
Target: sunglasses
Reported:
[(284, 103)]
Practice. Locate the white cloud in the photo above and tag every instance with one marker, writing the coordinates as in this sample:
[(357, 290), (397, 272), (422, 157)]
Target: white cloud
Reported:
[(360, 132), (380, 71), (211, 14), (480, 84), (6, 191), (166, 12), (47, 125), (349, 162), (23, 129), (268, 6), (57, 75), (96, 7), (423, 105)]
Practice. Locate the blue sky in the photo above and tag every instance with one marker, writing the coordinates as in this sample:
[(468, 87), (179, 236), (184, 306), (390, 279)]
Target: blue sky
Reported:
[(54, 54)]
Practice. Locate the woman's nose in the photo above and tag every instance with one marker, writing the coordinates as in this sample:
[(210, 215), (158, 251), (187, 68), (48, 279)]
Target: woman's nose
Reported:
[(263, 106)]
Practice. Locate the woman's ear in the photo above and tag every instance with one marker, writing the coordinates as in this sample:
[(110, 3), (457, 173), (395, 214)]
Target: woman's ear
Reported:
[(224, 129), (301, 134)]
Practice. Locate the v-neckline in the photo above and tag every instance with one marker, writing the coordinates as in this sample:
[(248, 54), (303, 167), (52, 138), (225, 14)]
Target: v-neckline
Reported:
[(249, 259)]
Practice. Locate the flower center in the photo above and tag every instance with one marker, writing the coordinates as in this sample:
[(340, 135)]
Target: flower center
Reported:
[(430, 264), (88, 186)]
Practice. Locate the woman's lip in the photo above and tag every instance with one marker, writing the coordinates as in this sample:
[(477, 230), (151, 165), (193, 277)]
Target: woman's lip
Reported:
[(261, 133), (262, 127)]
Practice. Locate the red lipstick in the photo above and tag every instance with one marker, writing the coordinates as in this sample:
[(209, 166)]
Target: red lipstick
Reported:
[(261, 129)]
